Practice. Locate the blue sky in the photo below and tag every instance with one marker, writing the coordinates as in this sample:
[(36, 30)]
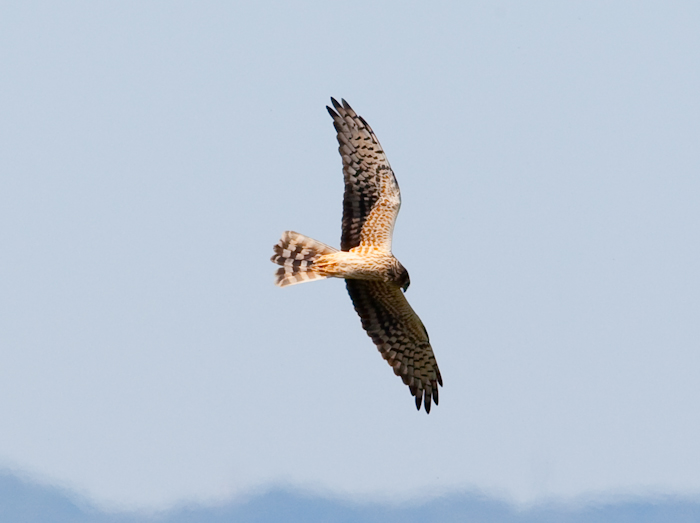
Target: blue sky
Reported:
[(154, 152)]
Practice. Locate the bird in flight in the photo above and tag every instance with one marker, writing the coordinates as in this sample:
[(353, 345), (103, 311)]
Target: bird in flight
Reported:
[(375, 279)]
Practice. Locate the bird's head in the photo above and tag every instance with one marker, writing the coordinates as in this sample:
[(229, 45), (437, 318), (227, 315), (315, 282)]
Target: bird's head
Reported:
[(401, 277)]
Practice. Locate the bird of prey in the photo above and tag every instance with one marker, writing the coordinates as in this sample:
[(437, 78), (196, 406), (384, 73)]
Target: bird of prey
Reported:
[(375, 279)]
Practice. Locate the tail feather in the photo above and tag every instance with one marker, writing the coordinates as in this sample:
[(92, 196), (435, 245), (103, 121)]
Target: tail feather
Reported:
[(296, 254)]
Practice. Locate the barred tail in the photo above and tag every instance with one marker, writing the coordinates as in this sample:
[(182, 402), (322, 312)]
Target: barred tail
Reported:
[(296, 254)]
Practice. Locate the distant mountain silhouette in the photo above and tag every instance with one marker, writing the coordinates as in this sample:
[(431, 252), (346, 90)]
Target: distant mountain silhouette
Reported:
[(24, 502)]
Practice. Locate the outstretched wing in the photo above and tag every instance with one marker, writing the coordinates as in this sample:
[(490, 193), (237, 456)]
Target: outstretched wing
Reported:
[(399, 335), (372, 198)]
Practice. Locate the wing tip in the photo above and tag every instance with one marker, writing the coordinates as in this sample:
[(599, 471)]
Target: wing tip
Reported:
[(427, 396), (343, 108)]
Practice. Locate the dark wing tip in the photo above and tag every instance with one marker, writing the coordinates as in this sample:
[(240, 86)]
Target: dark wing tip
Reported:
[(335, 103), (426, 396), (423, 397)]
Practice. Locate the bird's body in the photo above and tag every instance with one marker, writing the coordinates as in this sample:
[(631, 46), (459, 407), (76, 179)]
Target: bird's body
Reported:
[(360, 263), (374, 278)]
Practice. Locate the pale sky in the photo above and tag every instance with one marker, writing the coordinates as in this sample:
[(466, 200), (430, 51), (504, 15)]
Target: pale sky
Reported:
[(152, 153)]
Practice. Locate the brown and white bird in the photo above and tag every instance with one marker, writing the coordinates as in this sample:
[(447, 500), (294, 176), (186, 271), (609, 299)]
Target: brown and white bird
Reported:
[(375, 279)]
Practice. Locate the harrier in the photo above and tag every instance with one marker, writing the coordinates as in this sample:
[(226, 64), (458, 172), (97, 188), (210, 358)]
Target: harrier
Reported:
[(375, 280)]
